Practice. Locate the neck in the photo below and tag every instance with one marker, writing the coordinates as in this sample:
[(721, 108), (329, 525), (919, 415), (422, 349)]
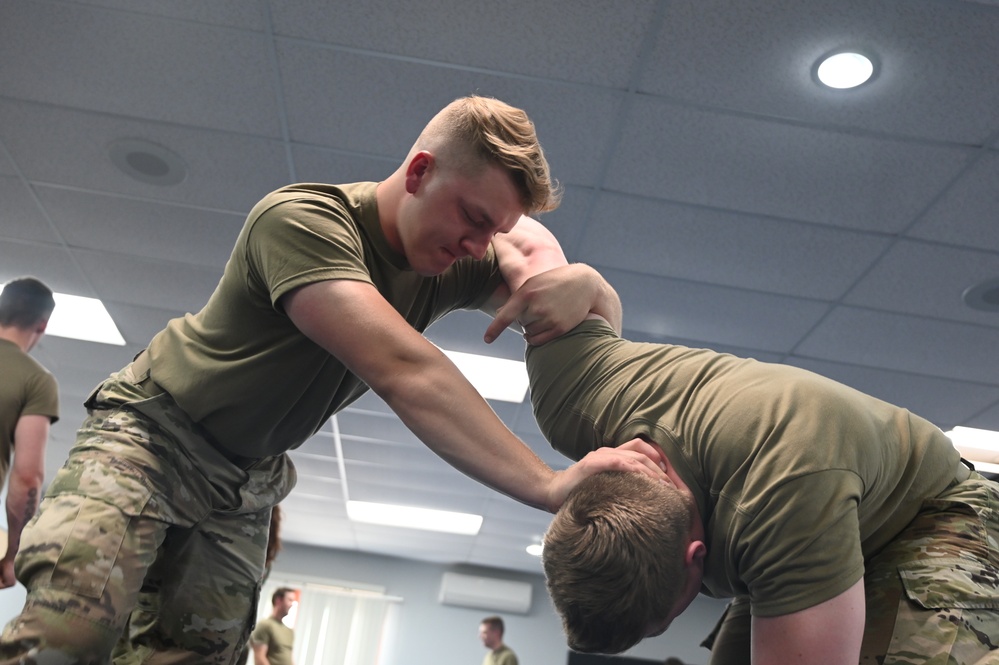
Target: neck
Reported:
[(25, 339), (388, 196)]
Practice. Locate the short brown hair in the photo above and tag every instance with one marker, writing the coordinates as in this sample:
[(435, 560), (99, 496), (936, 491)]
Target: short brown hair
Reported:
[(614, 559), (25, 302), (280, 593), (500, 134), (494, 623)]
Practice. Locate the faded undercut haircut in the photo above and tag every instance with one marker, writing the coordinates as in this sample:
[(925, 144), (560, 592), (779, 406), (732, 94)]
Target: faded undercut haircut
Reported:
[(25, 302), (614, 559), (495, 133)]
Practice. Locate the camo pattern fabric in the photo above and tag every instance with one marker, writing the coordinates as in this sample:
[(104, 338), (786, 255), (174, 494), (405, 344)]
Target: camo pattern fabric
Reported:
[(933, 593), (149, 543)]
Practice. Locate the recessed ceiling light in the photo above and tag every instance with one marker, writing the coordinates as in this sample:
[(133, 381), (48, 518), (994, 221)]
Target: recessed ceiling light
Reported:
[(844, 70), (535, 549), (983, 297), (147, 162)]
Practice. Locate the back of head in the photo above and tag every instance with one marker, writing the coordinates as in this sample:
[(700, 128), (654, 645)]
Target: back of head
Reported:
[(614, 559), (474, 131), (25, 302)]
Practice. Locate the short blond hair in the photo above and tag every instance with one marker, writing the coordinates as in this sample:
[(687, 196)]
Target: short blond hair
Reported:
[(614, 559), (474, 130)]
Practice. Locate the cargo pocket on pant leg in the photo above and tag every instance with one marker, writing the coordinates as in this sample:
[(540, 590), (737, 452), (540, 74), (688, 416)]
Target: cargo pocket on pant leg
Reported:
[(950, 607), (71, 562)]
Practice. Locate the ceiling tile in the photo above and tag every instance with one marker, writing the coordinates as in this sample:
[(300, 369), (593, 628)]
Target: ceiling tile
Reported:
[(966, 214), (671, 308), (387, 120), (762, 56), (906, 343), (778, 169), (20, 217), (175, 71), (726, 249), (478, 32), (928, 280), (224, 171)]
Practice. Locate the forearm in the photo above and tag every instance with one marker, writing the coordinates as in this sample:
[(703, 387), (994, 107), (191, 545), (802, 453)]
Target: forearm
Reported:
[(22, 502), (438, 404)]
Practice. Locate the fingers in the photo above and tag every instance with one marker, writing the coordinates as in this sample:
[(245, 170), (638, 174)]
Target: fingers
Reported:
[(624, 459), (648, 448), (496, 327)]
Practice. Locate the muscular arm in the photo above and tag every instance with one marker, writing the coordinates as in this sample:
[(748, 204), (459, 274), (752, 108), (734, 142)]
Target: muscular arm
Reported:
[(431, 396), (24, 485), (549, 295), (829, 633)]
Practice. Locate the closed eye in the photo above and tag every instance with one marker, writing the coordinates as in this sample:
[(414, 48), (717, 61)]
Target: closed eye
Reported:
[(471, 220)]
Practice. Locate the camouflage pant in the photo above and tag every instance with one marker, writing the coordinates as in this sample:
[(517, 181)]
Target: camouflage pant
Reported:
[(149, 543), (932, 593)]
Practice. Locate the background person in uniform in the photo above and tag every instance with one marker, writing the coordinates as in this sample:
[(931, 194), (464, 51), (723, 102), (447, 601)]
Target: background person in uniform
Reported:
[(491, 634), (29, 404), (326, 294), (272, 641)]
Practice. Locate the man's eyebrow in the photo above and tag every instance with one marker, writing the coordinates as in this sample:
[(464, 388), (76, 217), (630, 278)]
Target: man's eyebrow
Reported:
[(479, 212)]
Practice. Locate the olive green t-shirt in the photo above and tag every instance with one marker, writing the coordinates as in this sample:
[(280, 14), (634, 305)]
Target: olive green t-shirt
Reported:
[(797, 478), (279, 638), (242, 369), (26, 389)]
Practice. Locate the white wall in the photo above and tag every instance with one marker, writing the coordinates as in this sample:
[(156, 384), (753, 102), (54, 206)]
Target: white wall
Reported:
[(425, 632)]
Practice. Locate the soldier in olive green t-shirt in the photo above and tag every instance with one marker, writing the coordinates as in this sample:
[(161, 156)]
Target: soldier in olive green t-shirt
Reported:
[(799, 496), (29, 404), (154, 530)]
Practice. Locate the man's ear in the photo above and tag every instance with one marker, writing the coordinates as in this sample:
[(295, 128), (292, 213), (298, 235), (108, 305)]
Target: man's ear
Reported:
[(417, 169), (696, 551)]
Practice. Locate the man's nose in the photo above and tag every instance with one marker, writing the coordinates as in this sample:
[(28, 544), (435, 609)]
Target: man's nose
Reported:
[(477, 246)]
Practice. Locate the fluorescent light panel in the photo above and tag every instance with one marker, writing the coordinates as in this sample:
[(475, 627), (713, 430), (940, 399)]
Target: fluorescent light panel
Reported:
[(494, 378), (77, 317), (979, 446), (414, 518)]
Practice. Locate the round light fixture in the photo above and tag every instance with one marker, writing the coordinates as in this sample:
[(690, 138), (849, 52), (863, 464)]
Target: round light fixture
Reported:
[(535, 549), (147, 162), (983, 297), (843, 70)]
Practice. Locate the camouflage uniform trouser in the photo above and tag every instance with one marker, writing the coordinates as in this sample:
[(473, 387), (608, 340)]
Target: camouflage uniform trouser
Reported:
[(932, 593), (149, 544)]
